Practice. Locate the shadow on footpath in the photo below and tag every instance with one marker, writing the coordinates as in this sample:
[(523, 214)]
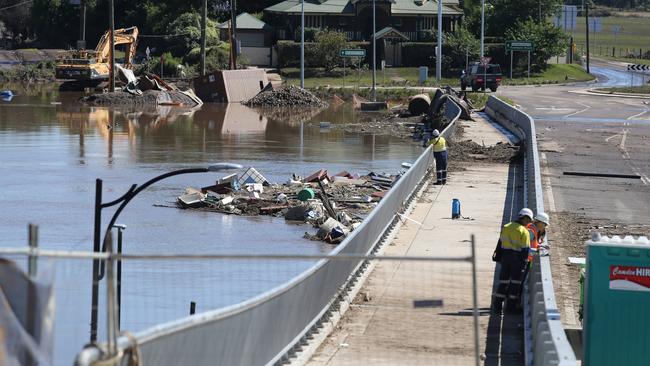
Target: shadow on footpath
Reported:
[(505, 334)]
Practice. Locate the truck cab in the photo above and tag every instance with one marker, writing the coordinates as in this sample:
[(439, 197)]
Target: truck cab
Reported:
[(478, 77)]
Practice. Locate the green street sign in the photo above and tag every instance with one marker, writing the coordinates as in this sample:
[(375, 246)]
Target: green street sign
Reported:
[(519, 46), (353, 53)]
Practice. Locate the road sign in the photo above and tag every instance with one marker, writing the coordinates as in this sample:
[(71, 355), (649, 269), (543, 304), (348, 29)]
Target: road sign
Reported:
[(353, 53), (519, 45), (631, 67), (485, 60), (566, 19), (595, 25)]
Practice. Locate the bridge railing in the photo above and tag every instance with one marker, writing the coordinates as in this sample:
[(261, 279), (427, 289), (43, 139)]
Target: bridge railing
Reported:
[(265, 329), (545, 337)]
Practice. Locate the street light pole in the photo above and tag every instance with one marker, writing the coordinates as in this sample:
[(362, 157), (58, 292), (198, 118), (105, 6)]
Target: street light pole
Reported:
[(302, 44), (439, 48), (374, 54), (98, 273), (111, 72), (482, 53)]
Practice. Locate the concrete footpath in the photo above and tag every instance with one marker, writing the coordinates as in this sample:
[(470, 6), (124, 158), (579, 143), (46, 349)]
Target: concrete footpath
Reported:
[(384, 327)]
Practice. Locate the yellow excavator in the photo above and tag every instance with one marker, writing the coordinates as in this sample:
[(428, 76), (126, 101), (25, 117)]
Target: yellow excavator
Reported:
[(93, 66)]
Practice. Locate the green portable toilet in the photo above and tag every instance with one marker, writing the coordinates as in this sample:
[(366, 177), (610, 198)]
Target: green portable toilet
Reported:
[(616, 326)]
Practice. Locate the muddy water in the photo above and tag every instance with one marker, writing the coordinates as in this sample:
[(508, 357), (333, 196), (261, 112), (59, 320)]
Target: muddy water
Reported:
[(52, 150)]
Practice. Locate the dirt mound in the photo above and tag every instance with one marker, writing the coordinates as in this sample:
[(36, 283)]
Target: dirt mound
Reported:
[(290, 96), (149, 97), (471, 151)]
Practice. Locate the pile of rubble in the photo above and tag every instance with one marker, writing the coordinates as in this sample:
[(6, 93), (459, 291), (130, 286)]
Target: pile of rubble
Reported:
[(290, 96), (335, 204), (471, 151)]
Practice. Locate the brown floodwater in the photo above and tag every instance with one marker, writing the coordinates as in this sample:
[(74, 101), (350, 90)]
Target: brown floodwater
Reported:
[(52, 149)]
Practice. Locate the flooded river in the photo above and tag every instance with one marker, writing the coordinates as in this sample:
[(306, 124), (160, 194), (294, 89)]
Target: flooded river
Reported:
[(52, 149)]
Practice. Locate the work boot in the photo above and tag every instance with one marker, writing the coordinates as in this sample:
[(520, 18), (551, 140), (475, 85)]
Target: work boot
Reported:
[(497, 306)]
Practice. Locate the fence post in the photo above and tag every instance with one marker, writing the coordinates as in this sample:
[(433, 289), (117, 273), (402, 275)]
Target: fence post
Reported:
[(475, 303), (110, 298), (33, 244)]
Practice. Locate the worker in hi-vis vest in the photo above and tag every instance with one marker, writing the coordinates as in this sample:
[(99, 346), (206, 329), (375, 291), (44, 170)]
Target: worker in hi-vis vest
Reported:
[(514, 242), (439, 147), (537, 230)]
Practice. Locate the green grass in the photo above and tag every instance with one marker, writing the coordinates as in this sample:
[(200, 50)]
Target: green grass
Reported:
[(554, 74), (633, 35), (394, 76), (630, 89), (408, 76)]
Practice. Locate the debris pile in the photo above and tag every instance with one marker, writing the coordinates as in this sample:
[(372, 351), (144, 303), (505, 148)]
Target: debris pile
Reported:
[(148, 89), (334, 204), (291, 96), (471, 151)]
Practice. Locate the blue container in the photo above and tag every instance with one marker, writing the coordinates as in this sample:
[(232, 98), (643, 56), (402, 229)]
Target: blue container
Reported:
[(455, 208)]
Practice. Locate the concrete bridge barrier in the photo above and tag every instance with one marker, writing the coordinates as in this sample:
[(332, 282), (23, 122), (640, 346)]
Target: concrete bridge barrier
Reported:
[(545, 339)]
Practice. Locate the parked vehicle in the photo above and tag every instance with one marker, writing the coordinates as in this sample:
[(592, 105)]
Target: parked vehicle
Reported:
[(477, 77)]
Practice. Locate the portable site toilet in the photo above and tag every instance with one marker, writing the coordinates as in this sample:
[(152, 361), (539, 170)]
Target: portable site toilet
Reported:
[(616, 327)]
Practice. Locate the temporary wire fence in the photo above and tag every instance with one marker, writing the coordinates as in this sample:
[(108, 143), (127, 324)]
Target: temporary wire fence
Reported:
[(419, 309)]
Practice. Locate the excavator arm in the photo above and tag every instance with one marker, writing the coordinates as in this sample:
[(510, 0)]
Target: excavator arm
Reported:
[(128, 36)]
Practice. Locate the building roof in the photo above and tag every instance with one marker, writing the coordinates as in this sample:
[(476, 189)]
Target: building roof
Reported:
[(391, 33), (313, 7), (246, 21), (398, 7)]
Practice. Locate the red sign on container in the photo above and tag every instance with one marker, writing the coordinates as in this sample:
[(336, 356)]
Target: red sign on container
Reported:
[(629, 278)]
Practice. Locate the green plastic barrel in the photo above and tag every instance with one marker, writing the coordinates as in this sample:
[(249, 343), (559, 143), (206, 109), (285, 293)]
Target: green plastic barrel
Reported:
[(306, 194)]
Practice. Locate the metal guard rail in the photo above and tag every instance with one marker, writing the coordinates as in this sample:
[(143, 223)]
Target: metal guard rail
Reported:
[(545, 337), (264, 329)]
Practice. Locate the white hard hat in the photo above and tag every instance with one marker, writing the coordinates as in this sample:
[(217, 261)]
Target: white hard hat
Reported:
[(543, 217), (526, 212), (435, 133)]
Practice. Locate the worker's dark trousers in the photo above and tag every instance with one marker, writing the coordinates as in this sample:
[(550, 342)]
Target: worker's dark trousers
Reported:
[(441, 167), (512, 266)]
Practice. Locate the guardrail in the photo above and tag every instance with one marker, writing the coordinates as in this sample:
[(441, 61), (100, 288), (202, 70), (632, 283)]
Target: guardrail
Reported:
[(264, 329), (545, 337)]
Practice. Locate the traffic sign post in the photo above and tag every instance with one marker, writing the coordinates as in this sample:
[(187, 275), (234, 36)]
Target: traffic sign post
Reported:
[(350, 53), (485, 62), (512, 46), (642, 68)]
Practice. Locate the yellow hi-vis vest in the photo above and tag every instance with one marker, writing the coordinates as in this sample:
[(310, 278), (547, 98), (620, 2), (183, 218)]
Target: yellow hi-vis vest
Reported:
[(438, 144), (515, 236)]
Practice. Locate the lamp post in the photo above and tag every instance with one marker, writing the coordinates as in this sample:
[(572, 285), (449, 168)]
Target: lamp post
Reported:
[(482, 27), (302, 44), (439, 48), (374, 54), (123, 201)]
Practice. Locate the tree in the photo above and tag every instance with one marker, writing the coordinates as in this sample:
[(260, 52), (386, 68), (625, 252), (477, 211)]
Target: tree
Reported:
[(328, 45), (460, 45), (549, 40), (501, 13), (188, 27)]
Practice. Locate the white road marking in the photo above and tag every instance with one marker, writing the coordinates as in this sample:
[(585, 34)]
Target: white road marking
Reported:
[(637, 115), (587, 107), (547, 183), (553, 108), (626, 155)]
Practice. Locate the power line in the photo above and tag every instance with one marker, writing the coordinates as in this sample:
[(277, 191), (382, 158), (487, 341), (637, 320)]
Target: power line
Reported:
[(16, 5)]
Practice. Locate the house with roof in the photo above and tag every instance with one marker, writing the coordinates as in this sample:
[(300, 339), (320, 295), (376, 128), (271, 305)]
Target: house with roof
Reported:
[(254, 38), (396, 20)]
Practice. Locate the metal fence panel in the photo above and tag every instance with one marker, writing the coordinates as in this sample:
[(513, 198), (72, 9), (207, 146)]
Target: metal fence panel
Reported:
[(263, 329), (549, 342)]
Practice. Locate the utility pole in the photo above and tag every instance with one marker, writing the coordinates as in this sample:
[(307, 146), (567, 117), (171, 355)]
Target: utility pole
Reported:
[(302, 44), (204, 24), (82, 24), (439, 48), (374, 53), (482, 28), (111, 72), (587, 31), (233, 16)]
